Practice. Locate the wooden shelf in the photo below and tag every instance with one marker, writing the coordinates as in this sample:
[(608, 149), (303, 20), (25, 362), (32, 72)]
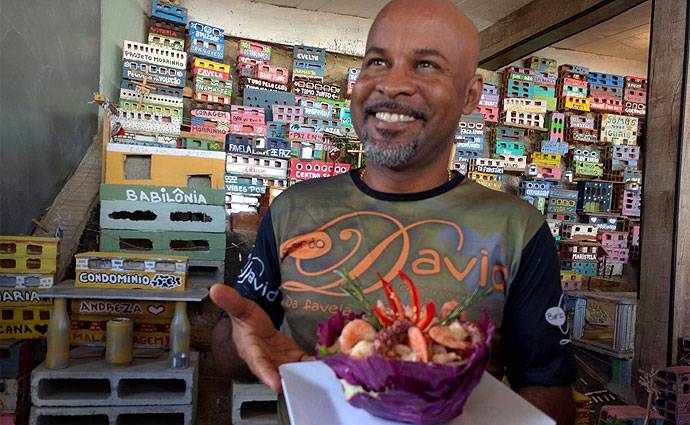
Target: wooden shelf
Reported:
[(595, 180), (603, 348), (197, 291), (603, 214), (620, 297)]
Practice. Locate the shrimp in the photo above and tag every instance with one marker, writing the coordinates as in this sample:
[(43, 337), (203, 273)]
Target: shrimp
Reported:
[(354, 332), (448, 307), (418, 343), (452, 336)]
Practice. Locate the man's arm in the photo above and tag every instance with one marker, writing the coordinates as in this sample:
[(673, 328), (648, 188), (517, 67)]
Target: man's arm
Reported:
[(556, 402), (227, 359), (535, 342)]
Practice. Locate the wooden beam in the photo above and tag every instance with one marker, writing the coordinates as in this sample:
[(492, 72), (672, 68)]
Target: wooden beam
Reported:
[(681, 290), (542, 23), (664, 294)]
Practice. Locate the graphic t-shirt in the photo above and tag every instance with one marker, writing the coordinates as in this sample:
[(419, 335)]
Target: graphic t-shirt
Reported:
[(447, 240)]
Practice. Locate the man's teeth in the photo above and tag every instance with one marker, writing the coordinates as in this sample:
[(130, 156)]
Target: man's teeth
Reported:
[(388, 117)]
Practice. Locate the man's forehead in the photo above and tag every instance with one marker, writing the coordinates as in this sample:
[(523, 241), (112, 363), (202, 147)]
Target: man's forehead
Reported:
[(414, 33)]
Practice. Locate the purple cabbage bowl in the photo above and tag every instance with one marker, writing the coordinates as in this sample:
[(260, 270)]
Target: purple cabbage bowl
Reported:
[(414, 392)]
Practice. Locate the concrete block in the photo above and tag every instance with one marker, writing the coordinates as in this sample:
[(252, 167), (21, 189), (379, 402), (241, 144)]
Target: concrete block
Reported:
[(195, 245), (206, 271), (110, 415), (92, 382), (137, 215), (253, 404)]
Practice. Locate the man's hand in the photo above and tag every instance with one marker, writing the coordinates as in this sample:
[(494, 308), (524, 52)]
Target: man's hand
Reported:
[(258, 343)]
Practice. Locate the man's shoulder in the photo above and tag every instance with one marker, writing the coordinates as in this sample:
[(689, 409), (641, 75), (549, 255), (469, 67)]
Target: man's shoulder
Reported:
[(497, 204)]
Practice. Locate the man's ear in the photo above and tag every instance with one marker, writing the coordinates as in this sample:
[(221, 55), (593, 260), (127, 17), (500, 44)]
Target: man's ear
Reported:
[(473, 94)]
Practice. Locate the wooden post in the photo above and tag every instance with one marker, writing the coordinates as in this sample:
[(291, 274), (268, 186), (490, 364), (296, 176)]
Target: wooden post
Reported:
[(664, 295)]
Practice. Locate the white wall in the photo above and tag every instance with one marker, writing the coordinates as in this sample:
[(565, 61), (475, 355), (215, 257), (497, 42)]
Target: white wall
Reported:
[(283, 25), (595, 63)]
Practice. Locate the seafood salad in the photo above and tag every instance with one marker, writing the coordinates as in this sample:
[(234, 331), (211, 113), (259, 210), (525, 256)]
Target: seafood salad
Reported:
[(401, 362), (411, 332)]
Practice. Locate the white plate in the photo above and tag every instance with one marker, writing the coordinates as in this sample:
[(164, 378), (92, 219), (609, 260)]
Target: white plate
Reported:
[(315, 397)]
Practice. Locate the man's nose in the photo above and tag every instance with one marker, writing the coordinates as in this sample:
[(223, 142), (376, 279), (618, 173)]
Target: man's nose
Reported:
[(397, 81)]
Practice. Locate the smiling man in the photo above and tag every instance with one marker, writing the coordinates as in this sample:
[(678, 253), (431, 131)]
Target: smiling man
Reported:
[(405, 211)]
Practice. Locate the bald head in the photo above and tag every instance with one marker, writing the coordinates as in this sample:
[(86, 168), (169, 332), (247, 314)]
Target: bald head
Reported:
[(432, 15), (418, 77)]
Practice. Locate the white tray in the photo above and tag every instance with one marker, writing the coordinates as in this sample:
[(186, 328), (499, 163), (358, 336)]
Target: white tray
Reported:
[(315, 397)]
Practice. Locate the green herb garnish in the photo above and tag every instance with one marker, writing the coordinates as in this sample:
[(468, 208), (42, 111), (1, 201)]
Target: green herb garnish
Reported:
[(351, 288), (474, 297)]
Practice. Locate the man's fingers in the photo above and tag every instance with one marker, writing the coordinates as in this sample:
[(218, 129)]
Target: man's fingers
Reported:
[(263, 368), (231, 301)]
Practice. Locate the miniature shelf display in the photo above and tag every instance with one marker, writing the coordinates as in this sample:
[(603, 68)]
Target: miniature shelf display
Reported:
[(28, 267), (567, 140), (164, 188)]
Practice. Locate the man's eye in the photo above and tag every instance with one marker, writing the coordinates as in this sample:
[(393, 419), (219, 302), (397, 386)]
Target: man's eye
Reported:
[(376, 62), (426, 64)]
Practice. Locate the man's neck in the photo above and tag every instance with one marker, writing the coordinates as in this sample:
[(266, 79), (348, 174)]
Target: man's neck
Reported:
[(386, 180)]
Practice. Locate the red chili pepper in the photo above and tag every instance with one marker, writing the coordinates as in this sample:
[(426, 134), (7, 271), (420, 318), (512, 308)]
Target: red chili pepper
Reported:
[(393, 298), (383, 317), (414, 297), (429, 314)]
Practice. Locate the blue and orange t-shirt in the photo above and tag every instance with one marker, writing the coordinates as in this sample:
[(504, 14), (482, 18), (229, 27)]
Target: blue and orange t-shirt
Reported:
[(447, 240)]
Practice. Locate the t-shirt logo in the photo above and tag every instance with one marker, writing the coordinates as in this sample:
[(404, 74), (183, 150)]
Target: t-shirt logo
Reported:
[(306, 246)]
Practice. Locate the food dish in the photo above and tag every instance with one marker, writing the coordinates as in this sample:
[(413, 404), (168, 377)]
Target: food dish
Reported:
[(314, 396), (392, 362)]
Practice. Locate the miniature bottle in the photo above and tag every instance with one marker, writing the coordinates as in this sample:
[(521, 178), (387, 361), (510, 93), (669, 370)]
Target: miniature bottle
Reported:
[(180, 332), (57, 356), (119, 341)]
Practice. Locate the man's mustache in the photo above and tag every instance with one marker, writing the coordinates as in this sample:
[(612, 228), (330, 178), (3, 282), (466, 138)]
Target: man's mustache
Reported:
[(390, 104)]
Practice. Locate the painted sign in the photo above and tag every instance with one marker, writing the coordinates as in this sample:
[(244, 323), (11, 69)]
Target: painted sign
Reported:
[(263, 167), (254, 50), (618, 129), (166, 28), (156, 55), (307, 69), (130, 271), (147, 333), (244, 184), (305, 170), (310, 54), (18, 297), (313, 108), (205, 72), (272, 73), (305, 132), (309, 88), (263, 84), (126, 308), (24, 322), (217, 89), (133, 70)]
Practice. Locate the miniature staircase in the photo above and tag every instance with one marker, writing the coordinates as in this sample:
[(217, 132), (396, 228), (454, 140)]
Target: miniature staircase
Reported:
[(73, 205)]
